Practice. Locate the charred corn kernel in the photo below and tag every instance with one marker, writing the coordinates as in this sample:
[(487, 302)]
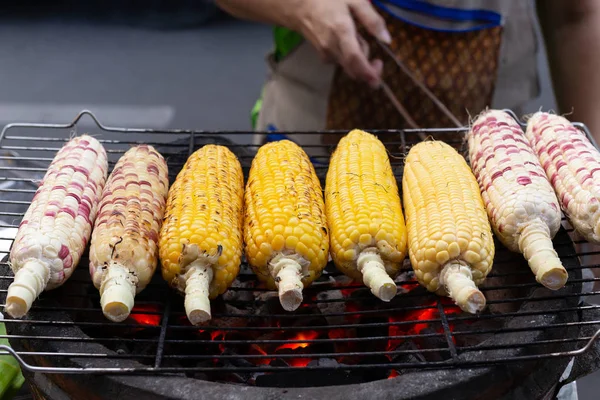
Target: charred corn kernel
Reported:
[(200, 243), (441, 195), (364, 213), (520, 202), (124, 245), (572, 164), (283, 185), (57, 225)]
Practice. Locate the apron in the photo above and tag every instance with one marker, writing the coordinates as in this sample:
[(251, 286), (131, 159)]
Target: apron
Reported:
[(457, 62), (454, 52)]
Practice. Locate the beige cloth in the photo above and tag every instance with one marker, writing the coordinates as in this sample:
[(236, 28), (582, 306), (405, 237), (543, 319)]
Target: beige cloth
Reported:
[(296, 93)]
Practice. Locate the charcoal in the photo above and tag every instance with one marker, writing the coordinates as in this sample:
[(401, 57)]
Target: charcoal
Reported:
[(324, 362), (432, 342), (121, 348), (371, 374), (373, 331), (233, 295), (326, 306), (412, 356)]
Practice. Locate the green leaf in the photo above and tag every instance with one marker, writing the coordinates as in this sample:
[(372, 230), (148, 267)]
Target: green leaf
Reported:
[(11, 378)]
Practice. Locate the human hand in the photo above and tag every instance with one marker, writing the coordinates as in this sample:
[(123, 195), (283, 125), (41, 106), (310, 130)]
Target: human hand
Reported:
[(330, 26)]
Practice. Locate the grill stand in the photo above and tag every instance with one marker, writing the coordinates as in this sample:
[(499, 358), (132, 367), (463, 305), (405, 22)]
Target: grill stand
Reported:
[(535, 373)]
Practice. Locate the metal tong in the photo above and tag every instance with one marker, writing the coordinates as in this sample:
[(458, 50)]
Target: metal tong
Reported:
[(398, 105)]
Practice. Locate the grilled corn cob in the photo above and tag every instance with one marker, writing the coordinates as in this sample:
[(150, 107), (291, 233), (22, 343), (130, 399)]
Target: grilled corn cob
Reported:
[(201, 237), (124, 245), (450, 239), (518, 197), (285, 232), (572, 164), (367, 231), (57, 225)]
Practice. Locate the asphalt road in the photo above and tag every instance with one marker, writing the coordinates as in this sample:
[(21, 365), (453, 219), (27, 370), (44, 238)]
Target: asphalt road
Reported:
[(205, 78)]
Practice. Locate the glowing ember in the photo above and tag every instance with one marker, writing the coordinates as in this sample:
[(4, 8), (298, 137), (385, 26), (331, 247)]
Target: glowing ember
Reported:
[(214, 335), (298, 362), (260, 361), (409, 286), (353, 308), (146, 315), (426, 314), (310, 335), (347, 292), (218, 335), (337, 333)]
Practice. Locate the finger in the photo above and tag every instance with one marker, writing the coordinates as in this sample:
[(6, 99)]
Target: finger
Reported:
[(378, 67), (364, 46), (368, 17), (376, 64), (354, 60)]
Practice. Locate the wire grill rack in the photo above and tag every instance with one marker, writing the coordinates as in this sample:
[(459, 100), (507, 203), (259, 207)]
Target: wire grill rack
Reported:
[(526, 321)]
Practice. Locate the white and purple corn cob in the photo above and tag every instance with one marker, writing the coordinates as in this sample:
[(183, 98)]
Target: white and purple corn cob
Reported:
[(521, 204), (124, 245), (572, 164), (57, 225)]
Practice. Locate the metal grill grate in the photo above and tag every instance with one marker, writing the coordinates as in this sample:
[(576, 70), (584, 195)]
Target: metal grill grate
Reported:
[(340, 321)]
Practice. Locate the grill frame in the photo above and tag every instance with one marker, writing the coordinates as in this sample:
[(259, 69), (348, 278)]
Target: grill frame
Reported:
[(193, 137)]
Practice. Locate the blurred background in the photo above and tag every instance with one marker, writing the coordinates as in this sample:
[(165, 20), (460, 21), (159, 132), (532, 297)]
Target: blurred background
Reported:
[(154, 63)]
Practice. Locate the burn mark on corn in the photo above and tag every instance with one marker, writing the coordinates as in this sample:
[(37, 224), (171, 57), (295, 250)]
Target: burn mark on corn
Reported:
[(114, 247), (381, 186)]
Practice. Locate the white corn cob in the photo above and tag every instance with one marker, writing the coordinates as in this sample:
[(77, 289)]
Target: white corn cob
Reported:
[(572, 164), (520, 202), (57, 225), (124, 245)]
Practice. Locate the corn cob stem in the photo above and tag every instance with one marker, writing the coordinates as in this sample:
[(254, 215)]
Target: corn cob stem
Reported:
[(197, 285), (287, 273), (458, 280), (371, 266), (29, 283), (117, 293), (536, 245)]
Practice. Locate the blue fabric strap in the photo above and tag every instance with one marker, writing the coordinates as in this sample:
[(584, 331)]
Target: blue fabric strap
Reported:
[(488, 19)]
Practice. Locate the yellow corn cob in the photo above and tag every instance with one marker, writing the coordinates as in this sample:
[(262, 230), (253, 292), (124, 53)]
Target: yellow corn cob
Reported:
[(519, 199), (284, 229), (367, 232), (450, 239), (57, 225), (201, 237), (572, 164), (124, 245)]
